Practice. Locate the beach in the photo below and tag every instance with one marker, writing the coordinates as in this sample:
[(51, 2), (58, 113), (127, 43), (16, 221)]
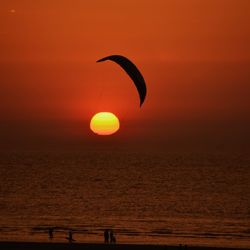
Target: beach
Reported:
[(98, 246), (183, 199)]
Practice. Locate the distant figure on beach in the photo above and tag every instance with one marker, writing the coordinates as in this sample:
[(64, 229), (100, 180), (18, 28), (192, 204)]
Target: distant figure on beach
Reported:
[(51, 233), (106, 236), (70, 237), (112, 237)]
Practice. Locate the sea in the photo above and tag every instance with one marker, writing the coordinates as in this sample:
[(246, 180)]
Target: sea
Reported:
[(144, 197)]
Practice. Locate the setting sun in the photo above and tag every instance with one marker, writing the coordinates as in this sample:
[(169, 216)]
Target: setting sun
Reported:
[(104, 123)]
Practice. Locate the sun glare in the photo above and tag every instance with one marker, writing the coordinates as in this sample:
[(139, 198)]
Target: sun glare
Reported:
[(104, 123)]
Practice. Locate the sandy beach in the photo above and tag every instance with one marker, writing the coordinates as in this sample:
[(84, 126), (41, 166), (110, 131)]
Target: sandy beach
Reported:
[(98, 246)]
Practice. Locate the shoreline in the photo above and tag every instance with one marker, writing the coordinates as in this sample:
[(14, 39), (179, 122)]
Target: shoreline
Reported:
[(19, 245)]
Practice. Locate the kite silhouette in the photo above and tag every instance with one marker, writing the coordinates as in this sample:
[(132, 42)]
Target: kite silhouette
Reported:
[(132, 71)]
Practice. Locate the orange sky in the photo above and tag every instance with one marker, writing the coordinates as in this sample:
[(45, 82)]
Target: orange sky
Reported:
[(194, 55)]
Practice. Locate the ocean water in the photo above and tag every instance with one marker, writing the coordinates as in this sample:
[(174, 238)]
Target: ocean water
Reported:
[(162, 198)]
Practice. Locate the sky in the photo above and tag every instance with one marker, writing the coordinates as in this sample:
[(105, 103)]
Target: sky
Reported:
[(194, 56)]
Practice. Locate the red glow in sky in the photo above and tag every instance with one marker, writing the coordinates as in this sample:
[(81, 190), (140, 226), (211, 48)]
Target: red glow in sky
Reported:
[(194, 56)]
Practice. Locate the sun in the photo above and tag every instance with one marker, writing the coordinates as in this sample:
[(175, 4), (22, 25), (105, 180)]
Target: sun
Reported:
[(104, 123)]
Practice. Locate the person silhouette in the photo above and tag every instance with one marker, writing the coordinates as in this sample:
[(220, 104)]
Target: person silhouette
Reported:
[(50, 232), (112, 237), (106, 236), (70, 238)]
